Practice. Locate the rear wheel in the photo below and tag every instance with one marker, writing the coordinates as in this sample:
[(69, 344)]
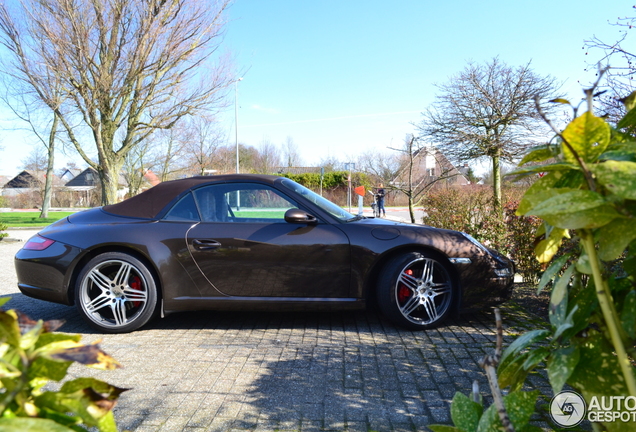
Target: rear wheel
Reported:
[(416, 291), (116, 293)]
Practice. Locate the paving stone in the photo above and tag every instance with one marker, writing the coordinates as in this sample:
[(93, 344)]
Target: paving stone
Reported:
[(274, 371)]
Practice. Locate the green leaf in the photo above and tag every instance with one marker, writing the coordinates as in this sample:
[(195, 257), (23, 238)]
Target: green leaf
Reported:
[(567, 323), (628, 314), (107, 423), (561, 101), (575, 210), (629, 102), (559, 166), (588, 136), (512, 372), (524, 341), (9, 329), (490, 422), (48, 338), (4, 300), (538, 154), (465, 412), (25, 424), (30, 338), (43, 368), (628, 121), (620, 152), (520, 406), (583, 264), (552, 271), (598, 371), (535, 357), (536, 196), (619, 177), (559, 298), (561, 365), (614, 238)]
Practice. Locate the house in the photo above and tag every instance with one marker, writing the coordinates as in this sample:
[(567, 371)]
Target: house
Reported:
[(87, 182), (69, 174), (24, 182), (431, 166)]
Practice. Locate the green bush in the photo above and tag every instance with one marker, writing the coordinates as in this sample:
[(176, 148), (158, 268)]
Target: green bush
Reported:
[(470, 209), (32, 355)]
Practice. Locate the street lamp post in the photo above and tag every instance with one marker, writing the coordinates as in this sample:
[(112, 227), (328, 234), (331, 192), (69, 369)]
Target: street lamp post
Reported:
[(350, 166), (238, 196)]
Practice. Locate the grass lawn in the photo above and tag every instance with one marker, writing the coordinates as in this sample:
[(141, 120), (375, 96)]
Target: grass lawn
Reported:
[(30, 219)]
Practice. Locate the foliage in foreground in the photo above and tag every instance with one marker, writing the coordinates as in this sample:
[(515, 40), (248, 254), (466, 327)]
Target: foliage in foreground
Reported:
[(32, 355), (588, 193)]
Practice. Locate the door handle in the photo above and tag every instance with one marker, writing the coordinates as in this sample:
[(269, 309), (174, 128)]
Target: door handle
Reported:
[(204, 245)]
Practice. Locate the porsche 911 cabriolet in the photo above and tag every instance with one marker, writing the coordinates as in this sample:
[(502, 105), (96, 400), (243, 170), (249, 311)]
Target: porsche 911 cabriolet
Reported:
[(247, 242)]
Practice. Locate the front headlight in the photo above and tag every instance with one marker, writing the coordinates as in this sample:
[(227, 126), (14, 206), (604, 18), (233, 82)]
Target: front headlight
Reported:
[(503, 272)]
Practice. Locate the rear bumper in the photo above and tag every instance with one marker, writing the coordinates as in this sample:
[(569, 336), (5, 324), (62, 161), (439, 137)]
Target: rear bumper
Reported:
[(46, 275)]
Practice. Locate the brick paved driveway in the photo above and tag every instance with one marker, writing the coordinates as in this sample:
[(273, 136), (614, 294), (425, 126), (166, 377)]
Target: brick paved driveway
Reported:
[(218, 371)]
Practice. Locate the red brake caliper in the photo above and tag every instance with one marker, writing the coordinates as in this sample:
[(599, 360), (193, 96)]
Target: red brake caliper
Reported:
[(135, 283), (404, 293)]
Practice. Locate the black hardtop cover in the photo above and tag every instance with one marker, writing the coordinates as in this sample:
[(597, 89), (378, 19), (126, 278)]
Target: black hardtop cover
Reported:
[(149, 203)]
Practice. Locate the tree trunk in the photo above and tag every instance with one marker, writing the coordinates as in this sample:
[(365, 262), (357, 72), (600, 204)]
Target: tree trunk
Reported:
[(48, 183), (496, 180), (109, 177)]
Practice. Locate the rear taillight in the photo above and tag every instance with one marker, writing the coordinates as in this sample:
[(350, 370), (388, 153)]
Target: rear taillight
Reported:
[(38, 243)]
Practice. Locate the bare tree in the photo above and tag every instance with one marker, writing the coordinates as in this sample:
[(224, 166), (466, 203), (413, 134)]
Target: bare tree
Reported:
[(202, 140), (137, 162), (620, 56), (381, 167), (127, 67), (268, 158), (488, 111), (410, 180), (29, 107), (291, 155)]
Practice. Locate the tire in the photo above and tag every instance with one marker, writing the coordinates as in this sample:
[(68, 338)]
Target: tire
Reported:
[(116, 293), (416, 291)]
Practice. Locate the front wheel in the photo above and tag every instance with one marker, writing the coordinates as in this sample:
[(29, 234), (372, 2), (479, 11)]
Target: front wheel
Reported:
[(116, 293), (416, 291)]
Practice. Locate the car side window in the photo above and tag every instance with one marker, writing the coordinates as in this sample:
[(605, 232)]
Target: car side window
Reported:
[(184, 210), (242, 203)]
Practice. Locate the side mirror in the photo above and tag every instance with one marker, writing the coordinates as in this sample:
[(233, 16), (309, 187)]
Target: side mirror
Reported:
[(298, 216)]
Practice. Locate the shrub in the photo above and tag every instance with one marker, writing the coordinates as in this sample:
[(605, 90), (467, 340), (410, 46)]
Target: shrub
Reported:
[(470, 209)]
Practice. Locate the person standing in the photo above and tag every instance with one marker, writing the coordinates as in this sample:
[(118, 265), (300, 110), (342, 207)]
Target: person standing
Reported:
[(379, 196)]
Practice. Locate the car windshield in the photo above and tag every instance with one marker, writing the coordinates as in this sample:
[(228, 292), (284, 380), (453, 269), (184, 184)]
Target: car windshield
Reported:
[(331, 208)]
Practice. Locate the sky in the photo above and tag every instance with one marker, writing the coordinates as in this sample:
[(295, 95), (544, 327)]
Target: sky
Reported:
[(343, 78)]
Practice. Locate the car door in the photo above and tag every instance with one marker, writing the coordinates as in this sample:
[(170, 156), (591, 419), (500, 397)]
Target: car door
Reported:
[(245, 248)]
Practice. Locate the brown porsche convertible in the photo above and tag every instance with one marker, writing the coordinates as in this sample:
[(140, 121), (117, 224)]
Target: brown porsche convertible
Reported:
[(252, 242)]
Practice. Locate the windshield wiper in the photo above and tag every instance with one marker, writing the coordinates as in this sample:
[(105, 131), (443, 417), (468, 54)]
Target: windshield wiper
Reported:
[(356, 218)]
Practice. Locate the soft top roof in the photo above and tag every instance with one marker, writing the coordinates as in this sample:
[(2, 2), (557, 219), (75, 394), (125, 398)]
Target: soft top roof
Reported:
[(149, 203)]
